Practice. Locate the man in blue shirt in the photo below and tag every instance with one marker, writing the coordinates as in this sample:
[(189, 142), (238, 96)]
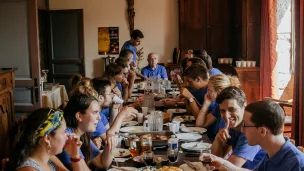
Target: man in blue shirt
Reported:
[(136, 37), (232, 102), (263, 125), (153, 69), (105, 97)]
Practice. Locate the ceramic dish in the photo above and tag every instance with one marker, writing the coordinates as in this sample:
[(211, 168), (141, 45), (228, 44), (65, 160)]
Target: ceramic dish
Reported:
[(194, 129), (196, 146), (189, 136), (132, 129), (120, 152), (184, 118), (124, 168), (129, 123)]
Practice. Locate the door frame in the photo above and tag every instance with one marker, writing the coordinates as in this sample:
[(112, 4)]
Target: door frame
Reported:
[(50, 56), (34, 59)]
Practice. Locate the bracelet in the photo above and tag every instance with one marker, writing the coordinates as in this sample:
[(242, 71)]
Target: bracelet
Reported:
[(75, 159)]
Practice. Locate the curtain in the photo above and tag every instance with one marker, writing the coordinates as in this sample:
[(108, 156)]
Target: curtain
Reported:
[(298, 95), (268, 54)]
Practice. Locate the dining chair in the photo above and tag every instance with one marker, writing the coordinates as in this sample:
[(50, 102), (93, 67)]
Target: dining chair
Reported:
[(287, 107)]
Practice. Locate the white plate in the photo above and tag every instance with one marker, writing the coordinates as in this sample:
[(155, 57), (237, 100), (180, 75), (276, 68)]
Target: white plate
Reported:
[(184, 118), (120, 152), (196, 146), (135, 90), (147, 168), (189, 136), (176, 111), (127, 168), (194, 129), (132, 129), (129, 123), (185, 167), (171, 92)]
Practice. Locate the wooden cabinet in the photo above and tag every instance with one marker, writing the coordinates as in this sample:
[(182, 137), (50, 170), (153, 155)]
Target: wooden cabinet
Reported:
[(225, 28), (7, 116), (250, 82)]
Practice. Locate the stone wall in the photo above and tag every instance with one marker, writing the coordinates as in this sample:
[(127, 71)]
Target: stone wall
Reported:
[(284, 67)]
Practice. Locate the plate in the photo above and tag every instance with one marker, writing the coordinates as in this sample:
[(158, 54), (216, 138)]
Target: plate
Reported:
[(129, 123), (132, 129), (185, 167), (188, 136), (176, 111), (147, 168), (138, 159), (194, 129), (184, 118), (171, 92), (127, 168), (196, 146), (120, 152)]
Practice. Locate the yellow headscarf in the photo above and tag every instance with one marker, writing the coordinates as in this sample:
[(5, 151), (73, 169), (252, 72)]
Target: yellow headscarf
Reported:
[(53, 121)]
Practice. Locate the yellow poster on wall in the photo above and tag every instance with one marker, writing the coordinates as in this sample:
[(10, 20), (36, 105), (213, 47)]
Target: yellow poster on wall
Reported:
[(108, 40)]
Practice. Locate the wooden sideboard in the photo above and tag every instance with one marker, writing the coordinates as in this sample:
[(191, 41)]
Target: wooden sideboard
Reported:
[(250, 82), (7, 114)]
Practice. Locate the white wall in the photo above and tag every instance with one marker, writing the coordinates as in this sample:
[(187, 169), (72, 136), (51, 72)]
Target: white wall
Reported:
[(157, 19)]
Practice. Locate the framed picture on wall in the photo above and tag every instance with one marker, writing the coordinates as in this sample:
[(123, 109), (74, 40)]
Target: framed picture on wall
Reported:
[(108, 40)]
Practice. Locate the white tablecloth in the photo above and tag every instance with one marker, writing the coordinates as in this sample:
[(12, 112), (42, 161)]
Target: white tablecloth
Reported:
[(54, 99)]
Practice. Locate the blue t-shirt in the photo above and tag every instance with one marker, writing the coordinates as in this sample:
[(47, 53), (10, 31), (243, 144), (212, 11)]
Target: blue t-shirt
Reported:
[(102, 123), (214, 71), (200, 96), (289, 158), (65, 158), (119, 86), (240, 148), (213, 129), (159, 70), (129, 46)]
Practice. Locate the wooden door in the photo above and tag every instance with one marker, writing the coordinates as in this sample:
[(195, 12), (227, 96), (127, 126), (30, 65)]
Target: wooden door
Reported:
[(218, 28), (66, 46), (193, 24), (252, 23), (19, 48)]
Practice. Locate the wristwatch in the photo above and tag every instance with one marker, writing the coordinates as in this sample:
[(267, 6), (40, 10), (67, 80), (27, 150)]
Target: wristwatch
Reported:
[(191, 100)]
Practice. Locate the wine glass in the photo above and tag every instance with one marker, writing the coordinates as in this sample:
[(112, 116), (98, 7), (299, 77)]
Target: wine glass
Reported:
[(148, 157), (206, 161), (172, 155), (45, 71)]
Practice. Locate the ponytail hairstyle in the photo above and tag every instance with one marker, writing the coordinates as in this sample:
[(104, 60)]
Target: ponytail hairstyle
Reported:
[(82, 89), (28, 131), (222, 81), (80, 102)]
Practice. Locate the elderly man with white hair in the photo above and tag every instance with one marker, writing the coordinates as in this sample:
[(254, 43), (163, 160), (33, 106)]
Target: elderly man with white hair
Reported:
[(153, 69)]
